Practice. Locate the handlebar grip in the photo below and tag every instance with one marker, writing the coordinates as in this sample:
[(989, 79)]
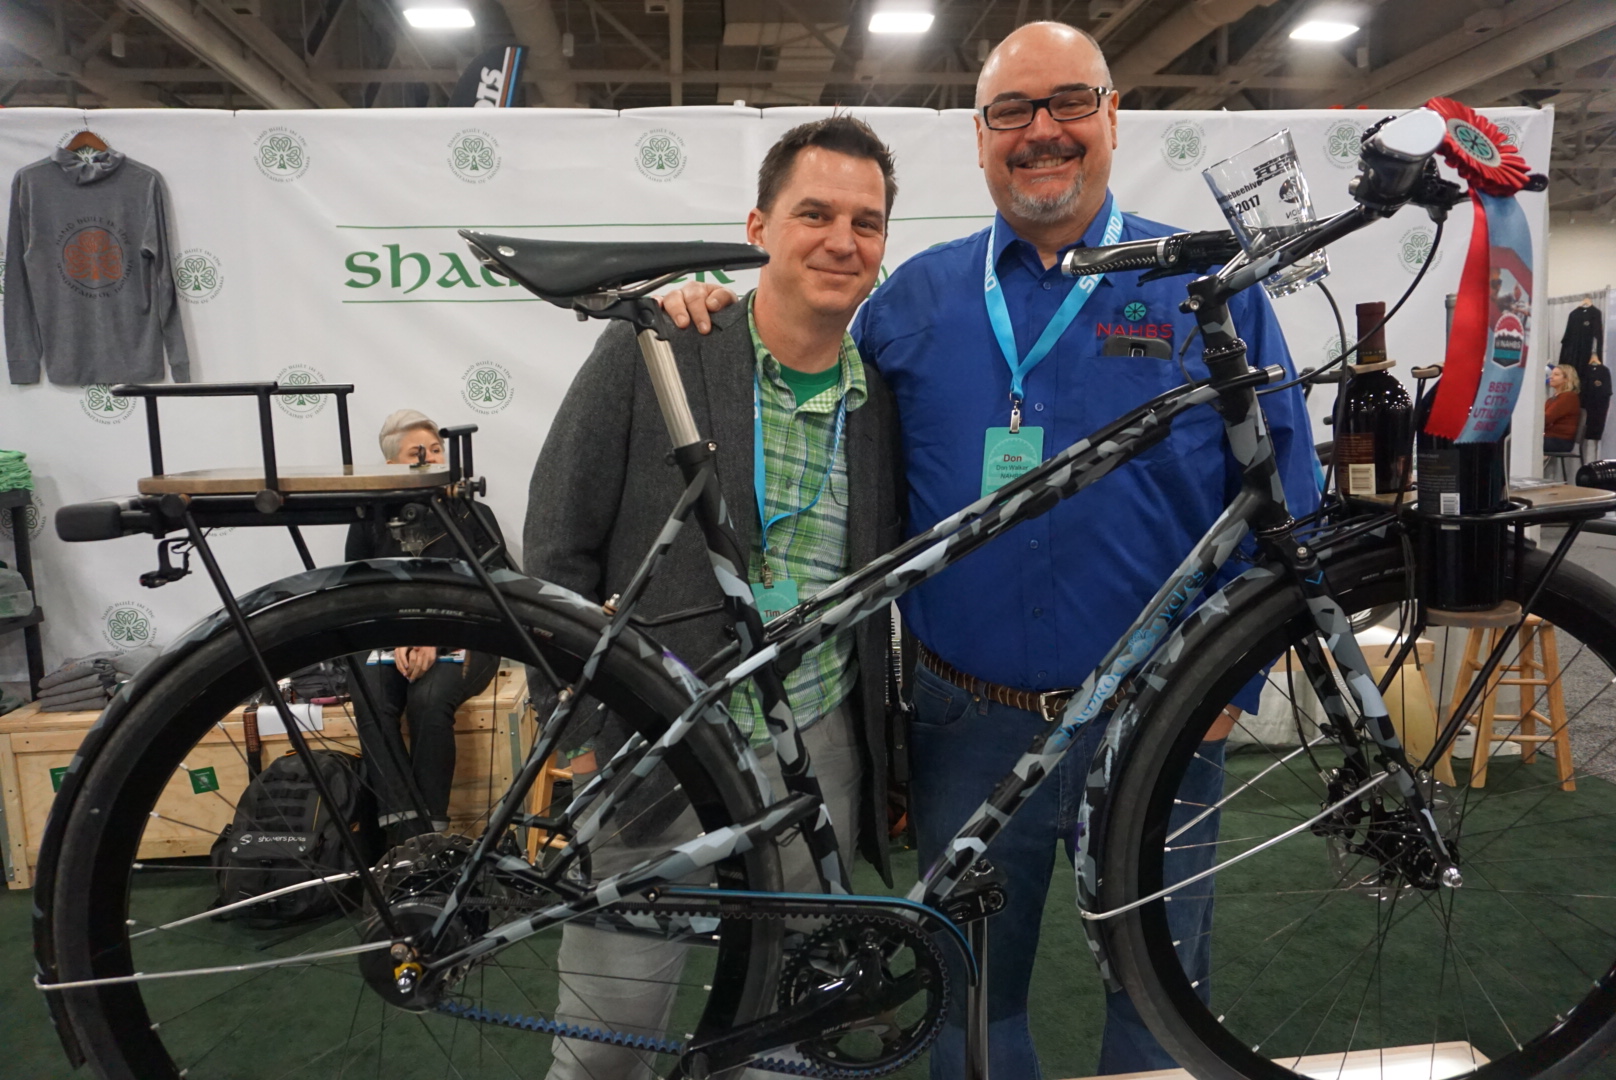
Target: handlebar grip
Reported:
[(104, 520)]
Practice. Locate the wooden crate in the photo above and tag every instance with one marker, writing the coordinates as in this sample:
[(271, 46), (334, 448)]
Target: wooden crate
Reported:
[(491, 733)]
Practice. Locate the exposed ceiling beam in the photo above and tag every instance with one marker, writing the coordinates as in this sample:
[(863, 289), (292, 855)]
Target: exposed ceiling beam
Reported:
[(654, 75), (274, 52), (628, 35), (36, 37), (1175, 34), (1558, 72), (1530, 29), (819, 34), (217, 47)]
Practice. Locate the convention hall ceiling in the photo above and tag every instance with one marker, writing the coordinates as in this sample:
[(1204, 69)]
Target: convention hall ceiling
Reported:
[(1164, 54)]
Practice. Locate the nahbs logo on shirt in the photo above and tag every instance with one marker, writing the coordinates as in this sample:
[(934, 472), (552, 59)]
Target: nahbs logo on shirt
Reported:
[(1134, 314)]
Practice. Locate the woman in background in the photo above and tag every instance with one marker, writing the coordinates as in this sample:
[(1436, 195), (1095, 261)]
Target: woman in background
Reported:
[(425, 682), (1562, 411)]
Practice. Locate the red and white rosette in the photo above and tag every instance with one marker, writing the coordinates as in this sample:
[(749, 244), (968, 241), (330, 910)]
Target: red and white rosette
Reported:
[(1478, 151), (1486, 351)]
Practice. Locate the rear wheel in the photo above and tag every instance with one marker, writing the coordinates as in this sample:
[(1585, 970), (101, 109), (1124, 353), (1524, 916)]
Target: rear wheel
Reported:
[(1336, 951), (115, 911)]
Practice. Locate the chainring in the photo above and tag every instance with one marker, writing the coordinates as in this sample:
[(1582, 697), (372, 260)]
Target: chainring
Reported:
[(894, 1037)]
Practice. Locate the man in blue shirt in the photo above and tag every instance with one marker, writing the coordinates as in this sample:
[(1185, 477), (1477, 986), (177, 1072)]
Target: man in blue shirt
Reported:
[(1036, 610)]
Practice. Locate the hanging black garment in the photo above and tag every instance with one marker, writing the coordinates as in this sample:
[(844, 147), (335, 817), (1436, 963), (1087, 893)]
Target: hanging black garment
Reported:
[(1584, 336), (1595, 398)]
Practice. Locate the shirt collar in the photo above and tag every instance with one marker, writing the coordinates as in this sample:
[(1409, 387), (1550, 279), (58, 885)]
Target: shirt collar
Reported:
[(1005, 235), (851, 386)]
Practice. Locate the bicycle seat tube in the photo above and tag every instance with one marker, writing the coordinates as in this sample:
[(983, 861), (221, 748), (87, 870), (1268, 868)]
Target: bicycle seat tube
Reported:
[(696, 457)]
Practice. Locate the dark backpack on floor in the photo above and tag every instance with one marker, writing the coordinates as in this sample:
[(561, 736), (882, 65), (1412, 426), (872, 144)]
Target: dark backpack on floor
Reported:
[(283, 834)]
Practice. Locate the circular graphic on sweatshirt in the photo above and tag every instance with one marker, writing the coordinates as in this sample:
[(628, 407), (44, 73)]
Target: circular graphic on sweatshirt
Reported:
[(92, 260), (128, 625), (33, 515), (101, 405), (198, 275)]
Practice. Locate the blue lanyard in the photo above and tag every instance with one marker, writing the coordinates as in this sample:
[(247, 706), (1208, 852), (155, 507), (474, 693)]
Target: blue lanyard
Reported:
[(999, 314), (758, 481)]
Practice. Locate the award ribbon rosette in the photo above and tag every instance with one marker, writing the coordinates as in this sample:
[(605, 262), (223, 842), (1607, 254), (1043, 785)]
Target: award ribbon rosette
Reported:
[(1486, 357)]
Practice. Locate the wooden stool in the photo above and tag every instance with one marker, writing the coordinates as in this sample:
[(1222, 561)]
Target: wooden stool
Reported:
[(538, 802), (1537, 664)]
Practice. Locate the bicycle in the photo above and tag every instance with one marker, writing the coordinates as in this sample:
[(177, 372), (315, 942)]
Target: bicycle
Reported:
[(455, 953)]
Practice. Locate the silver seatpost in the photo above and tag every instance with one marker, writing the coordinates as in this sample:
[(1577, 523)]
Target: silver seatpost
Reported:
[(670, 389)]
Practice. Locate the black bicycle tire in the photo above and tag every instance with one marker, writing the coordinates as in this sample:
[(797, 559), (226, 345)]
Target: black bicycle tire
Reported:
[(1139, 943), (102, 833)]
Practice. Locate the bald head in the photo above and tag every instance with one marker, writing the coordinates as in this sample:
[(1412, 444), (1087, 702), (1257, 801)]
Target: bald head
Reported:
[(1049, 177), (1043, 42)]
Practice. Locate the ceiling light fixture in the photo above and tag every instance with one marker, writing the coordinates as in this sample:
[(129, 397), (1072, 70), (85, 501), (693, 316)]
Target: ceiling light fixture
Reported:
[(1319, 30), (900, 22), (439, 18)]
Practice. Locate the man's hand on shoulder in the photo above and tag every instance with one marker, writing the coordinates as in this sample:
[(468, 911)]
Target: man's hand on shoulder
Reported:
[(695, 303)]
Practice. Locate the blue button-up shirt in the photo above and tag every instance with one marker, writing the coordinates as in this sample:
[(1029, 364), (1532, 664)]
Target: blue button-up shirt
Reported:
[(1039, 607)]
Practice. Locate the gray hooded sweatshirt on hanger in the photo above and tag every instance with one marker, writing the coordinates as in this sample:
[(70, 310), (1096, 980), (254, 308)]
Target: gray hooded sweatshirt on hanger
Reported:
[(89, 289)]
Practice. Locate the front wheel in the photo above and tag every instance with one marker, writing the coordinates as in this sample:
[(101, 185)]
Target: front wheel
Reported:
[(175, 765), (1337, 950)]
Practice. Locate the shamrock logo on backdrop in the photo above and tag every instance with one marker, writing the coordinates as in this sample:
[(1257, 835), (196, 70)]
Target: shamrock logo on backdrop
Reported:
[(1184, 145), (281, 154), (1134, 312), (198, 275), (487, 388), (94, 258), (1415, 246), (195, 275), (1342, 143), (127, 625), (102, 400), (474, 155), (660, 155), (104, 407), (300, 405), (33, 517)]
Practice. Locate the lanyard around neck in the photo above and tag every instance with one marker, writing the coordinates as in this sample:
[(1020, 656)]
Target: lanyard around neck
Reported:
[(999, 314), (759, 482)]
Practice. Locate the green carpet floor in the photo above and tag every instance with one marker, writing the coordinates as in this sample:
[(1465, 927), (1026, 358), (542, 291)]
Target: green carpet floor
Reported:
[(1066, 999)]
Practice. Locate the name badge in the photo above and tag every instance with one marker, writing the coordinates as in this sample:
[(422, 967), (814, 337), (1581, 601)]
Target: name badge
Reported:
[(775, 600), (1006, 455)]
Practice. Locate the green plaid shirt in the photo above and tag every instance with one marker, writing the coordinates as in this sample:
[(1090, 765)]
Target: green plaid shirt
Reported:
[(809, 548)]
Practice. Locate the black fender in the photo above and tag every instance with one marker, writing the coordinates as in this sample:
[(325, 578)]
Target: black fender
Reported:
[(513, 585)]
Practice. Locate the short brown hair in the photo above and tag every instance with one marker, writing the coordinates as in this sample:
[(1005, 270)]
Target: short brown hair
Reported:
[(840, 134)]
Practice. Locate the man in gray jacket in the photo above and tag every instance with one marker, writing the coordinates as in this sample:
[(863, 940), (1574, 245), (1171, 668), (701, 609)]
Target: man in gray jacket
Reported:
[(808, 453)]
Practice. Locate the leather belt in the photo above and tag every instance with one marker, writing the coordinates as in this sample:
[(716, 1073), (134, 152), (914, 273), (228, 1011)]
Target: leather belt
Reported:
[(1046, 703)]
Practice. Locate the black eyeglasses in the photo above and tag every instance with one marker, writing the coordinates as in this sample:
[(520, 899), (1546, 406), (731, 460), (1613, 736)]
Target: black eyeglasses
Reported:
[(1066, 106)]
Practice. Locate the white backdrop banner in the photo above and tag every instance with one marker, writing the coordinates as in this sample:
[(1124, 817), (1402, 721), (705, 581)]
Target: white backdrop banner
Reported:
[(321, 247)]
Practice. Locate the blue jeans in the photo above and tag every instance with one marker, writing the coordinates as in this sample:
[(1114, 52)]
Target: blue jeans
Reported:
[(960, 747)]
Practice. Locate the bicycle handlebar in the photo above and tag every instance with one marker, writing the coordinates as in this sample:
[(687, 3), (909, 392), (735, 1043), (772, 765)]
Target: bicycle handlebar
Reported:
[(1391, 165)]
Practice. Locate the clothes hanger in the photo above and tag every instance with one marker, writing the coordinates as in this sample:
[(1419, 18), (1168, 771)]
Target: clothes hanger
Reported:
[(86, 139)]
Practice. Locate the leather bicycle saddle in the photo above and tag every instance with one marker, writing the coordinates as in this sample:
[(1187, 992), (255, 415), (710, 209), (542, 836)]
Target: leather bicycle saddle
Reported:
[(559, 270)]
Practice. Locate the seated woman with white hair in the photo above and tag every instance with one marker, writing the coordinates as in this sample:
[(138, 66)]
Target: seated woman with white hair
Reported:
[(426, 683)]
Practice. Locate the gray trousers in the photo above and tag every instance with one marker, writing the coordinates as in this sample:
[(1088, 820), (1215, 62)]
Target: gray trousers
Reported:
[(629, 983)]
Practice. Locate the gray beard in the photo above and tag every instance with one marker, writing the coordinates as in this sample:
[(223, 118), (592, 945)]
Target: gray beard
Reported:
[(1048, 209)]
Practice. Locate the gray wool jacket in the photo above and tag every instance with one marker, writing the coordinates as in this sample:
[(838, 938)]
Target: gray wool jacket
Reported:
[(605, 483), (89, 289)]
